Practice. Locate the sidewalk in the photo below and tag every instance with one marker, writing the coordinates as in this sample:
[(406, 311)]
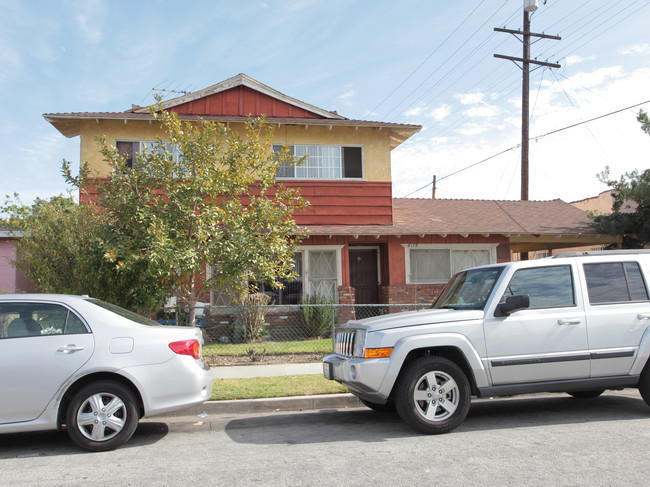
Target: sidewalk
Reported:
[(275, 404)]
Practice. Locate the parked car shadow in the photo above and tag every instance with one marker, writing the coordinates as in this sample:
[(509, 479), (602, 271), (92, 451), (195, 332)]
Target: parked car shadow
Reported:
[(365, 425), (55, 443)]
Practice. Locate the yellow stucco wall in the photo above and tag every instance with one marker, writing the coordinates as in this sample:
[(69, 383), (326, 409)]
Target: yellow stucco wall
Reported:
[(375, 142)]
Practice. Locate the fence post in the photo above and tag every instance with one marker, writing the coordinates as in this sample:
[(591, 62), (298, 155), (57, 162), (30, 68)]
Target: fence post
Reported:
[(333, 334)]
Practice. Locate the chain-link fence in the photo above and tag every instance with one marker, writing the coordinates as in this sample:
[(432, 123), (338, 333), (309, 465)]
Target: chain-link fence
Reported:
[(291, 333)]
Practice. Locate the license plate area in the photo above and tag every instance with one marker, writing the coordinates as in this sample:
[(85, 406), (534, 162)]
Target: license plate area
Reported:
[(328, 371)]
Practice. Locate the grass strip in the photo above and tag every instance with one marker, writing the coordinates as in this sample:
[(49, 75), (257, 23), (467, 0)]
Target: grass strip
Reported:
[(281, 386)]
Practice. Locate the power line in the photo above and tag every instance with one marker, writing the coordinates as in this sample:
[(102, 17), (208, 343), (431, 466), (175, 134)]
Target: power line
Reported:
[(531, 138), (425, 61)]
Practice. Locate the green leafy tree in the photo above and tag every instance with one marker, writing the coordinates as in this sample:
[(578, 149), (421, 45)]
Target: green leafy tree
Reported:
[(630, 218), (643, 119), (62, 251), (208, 195)]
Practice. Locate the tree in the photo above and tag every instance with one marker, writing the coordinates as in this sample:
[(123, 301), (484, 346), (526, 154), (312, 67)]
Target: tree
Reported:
[(62, 251), (643, 119), (633, 224), (207, 196)]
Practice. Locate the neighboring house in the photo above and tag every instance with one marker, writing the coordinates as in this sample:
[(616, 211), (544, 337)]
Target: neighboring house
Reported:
[(599, 205), (364, 246), (11, 279)]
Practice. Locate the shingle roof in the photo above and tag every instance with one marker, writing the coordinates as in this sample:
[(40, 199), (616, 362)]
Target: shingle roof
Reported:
[(429, 216)]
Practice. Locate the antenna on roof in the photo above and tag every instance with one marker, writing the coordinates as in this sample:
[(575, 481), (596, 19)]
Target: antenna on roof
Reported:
[(183, 92)]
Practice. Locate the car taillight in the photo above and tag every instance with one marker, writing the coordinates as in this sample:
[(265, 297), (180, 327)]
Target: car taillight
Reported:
[(187, 347)]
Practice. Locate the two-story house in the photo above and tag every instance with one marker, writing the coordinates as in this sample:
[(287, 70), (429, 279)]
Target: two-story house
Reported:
[(363, 245)]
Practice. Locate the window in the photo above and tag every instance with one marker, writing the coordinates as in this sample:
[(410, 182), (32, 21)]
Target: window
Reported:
[(128, 149), (318, 274), (547, 287), (435, 264), (318, 269), (615, 282), (322, 162), (36, 319), (322, 273), (291, 291)]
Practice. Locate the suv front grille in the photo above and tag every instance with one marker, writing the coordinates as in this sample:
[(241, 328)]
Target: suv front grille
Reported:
[(344, 344)]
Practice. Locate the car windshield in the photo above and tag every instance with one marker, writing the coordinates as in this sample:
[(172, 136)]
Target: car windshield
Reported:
[(469, 289), (125, 313)]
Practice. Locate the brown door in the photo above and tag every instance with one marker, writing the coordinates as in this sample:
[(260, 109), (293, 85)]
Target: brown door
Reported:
[(364, 275)]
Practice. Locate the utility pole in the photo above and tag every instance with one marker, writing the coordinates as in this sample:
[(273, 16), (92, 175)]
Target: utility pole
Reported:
[(526, 61)]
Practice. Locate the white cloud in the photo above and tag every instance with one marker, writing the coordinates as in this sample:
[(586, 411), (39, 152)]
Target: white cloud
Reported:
[(484, 111), (635, 49), (470, 98), (440, 113), (562, 165), (571, 60), (472, 129), (345, 97), (413, 112), (90, 19)]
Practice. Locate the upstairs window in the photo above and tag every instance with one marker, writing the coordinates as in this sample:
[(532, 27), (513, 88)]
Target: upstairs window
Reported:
[(322, 162), (128, 149)]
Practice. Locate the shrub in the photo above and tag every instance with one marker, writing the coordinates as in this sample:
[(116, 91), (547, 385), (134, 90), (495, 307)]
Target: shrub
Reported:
[(318, 314), (252, 314)]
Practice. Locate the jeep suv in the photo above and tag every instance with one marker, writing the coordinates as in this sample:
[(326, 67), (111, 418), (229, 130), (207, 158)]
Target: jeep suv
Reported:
[(577, 323)]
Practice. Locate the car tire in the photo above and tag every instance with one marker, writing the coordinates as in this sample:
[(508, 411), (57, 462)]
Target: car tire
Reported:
[(387, 407), (585, 394), (644, 383), (433, 395), (102, 416)]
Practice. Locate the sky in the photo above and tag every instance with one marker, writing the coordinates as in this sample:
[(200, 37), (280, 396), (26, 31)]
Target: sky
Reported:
[(425, 62)]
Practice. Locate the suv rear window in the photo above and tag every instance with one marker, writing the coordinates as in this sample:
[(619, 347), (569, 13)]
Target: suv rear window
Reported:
[(615, 282)]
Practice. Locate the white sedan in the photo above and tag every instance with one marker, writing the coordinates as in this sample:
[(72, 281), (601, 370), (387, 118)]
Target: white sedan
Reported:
[(92, 367)]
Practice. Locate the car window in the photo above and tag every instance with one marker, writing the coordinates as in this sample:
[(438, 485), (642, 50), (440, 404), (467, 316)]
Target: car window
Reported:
[(124, 313), (37, 319), (547, 287), (615, 282)]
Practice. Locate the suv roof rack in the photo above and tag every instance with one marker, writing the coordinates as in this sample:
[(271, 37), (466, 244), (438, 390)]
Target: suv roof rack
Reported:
[(585, 253)]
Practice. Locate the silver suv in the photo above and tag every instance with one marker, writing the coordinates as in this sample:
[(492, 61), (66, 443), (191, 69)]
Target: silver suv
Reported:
[(577, 323)]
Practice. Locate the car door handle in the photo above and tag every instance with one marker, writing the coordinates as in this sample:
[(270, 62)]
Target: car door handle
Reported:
[(70, 348), (574, 321), (643, 316)]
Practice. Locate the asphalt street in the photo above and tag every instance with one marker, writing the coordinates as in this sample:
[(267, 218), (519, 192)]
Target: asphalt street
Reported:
[(536, 440)]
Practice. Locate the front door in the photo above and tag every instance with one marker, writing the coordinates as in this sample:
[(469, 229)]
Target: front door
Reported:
[(364, 276), (547, 341)]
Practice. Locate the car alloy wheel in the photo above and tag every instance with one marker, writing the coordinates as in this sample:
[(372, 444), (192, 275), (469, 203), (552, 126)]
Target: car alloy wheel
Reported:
[(433, 395), (102, 416)]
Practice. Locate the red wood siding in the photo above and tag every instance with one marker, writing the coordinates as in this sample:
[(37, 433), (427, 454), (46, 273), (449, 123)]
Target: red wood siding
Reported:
[(242, 101), (345, 202)]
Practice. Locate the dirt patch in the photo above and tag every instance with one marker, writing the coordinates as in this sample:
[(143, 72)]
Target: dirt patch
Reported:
[(260, 359)]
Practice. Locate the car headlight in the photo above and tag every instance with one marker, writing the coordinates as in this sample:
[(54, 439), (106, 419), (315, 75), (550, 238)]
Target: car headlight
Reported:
[(359, 343)]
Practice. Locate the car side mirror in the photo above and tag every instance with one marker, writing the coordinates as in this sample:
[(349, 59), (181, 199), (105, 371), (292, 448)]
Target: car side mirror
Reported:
[(512, 304)]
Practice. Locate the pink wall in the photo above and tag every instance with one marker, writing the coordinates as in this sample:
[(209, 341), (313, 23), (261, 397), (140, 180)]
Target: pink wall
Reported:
[(7, 271), (11, 280)]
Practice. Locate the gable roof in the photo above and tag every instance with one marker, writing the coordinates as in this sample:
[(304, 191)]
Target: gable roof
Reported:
[(237, 85), (233, 100)]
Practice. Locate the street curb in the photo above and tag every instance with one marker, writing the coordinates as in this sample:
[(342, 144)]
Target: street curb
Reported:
[(274, 404)]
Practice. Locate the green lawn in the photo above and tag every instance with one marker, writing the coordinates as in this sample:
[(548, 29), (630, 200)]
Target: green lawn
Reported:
[(282, 386)]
